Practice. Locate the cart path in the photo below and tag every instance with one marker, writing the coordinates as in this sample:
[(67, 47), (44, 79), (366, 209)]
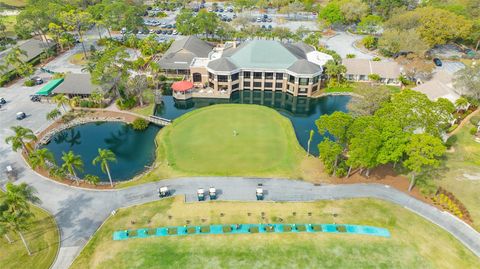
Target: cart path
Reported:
[(79, 212)]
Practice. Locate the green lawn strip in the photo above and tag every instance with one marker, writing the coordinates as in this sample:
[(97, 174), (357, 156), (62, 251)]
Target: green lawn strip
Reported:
[(463, 162), (415, 242), (42, 238), (203, 142), (10, 22), (13, 3)]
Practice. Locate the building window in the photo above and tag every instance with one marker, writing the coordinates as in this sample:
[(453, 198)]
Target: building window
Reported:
[(246, 84), (290, 88), (257, 75), (211, 76), (279, 85), (247, 74), (279, 75), (257, 84), (197, 77), (210, 84), (303, 81), (235, 86), (315, 79), (268, 85), (291, 79), (268, 75), (235, 77), (302, 90), (222, 78)]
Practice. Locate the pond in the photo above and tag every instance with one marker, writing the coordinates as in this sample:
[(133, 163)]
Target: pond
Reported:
[(134, 150), (302, 111)]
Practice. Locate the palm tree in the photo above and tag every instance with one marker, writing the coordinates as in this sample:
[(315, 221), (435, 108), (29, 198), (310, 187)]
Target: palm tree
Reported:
[(61, 100), (40, 157), (462, 103), (17, 222), (15, 209), (54, 114), (18, 140), (96, 97), (92, 179), (75, 101), (105, 156), (72, 162)]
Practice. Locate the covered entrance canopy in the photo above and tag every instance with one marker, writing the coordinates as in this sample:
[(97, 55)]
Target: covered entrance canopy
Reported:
[(49, 87)]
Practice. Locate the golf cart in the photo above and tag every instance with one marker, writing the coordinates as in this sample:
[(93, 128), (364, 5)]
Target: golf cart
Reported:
[(259, 192), (11, 173), (163, 192), (213, 193), (201, 194)]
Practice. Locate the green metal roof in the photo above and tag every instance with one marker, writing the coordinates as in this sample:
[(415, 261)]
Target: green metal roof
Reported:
[(48, 88), (263, 54)]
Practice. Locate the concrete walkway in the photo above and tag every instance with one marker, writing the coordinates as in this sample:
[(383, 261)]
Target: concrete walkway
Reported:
[(80, 212)]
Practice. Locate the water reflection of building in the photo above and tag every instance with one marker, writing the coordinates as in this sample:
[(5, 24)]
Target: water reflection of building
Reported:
[(297, 105)]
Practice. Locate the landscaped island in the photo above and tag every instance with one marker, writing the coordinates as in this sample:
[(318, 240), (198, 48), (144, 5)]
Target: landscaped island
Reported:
[(414, 241), (228, 140)]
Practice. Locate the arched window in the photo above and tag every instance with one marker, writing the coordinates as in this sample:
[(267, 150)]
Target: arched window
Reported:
[(197, 77)]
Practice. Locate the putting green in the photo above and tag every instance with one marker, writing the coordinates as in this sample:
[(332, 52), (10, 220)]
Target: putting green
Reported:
[(229, 140)]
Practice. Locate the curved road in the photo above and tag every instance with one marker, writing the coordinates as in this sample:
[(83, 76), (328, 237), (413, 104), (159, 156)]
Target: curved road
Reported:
[(80, 212)]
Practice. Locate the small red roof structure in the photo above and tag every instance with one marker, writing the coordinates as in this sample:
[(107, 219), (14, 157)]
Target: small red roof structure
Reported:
[(182, 86)]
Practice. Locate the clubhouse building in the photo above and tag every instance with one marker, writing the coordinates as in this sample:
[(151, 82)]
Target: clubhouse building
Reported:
[(258, 65)]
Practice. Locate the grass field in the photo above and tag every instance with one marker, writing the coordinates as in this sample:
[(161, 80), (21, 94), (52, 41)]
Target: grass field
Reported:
[(42, 239), (78, 59), (13, 3), (462, 175), (228, 140), (149, 99), (10, 22), (415, 242)]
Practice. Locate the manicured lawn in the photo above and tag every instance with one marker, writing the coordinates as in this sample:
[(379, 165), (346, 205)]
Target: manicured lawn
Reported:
[(415, 242), (10, 22), (14, 3), (149, 99), (462, 176), (43, 239), (228, 140), (78, 59)]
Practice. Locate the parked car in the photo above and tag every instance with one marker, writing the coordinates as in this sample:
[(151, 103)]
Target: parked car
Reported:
[(37, 80), (259, 19), (21, 115), (2, 101), (35, 98), (437, 62)]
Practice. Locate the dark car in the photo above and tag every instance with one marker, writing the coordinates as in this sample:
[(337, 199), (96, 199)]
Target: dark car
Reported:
[(2, 101), (437, 62), (37, 80), (158, 32), (21, 115), (169, 32)]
